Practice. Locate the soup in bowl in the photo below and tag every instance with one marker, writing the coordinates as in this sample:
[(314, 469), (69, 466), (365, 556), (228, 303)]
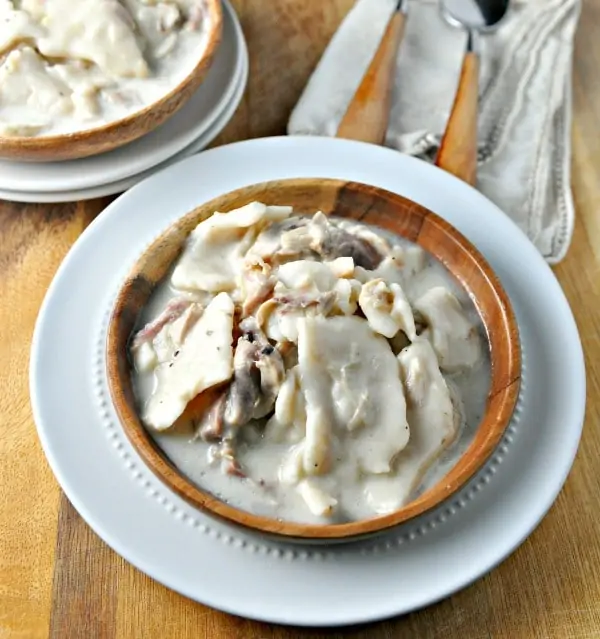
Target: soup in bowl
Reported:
[(314, 359)]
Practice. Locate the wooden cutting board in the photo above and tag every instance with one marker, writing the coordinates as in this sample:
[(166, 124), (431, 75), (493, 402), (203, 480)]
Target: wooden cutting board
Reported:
[(57, 579)]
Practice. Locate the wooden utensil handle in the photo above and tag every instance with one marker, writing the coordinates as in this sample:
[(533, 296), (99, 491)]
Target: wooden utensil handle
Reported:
[(458, 150), (366, 118)]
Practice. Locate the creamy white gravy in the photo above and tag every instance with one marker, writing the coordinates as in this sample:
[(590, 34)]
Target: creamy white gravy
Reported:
[(357, 495), (71, 65)]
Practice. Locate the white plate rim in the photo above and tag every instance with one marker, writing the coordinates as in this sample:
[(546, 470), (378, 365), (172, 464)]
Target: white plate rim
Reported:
[(140, 155), (319, 146)]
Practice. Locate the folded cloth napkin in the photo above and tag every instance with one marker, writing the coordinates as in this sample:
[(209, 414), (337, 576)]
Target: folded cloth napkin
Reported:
[(525, 101)]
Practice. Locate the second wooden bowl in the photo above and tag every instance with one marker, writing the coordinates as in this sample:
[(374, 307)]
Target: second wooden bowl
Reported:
[(372, 206), (112, 135)]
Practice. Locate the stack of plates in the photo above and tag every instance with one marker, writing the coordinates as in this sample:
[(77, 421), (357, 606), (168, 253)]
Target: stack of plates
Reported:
[(413, 565), (190, 130)]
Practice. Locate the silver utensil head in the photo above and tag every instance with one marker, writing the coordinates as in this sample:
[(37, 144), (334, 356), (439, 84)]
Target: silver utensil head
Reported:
[(476, 15)]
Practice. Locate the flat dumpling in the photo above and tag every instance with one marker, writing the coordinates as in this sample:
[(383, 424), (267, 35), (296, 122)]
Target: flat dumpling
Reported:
[(204, 359), (98, 31), (34, 8), (350, 380), (454, 338), (433, 424), (213, 259), (41, 92), (157, 22), (306, 275), (16, 27)]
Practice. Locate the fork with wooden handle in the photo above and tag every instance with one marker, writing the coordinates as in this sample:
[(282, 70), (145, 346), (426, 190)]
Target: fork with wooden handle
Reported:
[(458, 149), (367, 115)]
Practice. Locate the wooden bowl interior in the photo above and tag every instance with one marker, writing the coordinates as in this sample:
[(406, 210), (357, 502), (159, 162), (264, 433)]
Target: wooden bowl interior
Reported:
[(347, 200), (112, 135)]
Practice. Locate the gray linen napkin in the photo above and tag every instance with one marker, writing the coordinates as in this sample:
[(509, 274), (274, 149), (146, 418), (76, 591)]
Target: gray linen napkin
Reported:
[(525, 101)]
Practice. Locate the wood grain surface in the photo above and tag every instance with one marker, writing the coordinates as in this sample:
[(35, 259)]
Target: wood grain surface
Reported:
[(57, 579)]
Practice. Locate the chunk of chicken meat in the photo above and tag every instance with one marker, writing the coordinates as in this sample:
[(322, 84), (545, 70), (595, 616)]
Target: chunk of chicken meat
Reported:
[(268, 245), (387, 310), (244, 391), (329, 241), (211, 425), (258, 375), (453, 336), (258, 283), (174, 309), (224, 452), (292, 301), (360, 230), (279, 316)]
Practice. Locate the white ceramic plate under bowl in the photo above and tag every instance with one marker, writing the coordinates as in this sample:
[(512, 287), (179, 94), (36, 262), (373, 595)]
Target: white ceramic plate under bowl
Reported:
[(191, 121), (122, 185), (412, 566)]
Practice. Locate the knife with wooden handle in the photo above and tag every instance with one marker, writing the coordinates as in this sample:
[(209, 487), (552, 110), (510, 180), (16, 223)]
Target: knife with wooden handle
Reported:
[(367, 115)]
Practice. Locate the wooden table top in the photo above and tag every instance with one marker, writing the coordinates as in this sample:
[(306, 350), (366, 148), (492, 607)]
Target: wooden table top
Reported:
[(58, 579)]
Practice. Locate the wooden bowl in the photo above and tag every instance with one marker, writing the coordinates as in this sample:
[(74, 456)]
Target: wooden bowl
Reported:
[(347, 200), (112, 135)]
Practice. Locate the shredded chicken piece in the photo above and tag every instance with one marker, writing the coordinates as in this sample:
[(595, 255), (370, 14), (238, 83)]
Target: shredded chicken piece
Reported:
[(180, 328), (278, 317), (342, 244), (258, 375), (211, 425), (174, 309), (244, 390), (292, 301), (329, 241), (270, 365), (258, 284), (196, 17), (387, 309), (269, 243), (229, 463)]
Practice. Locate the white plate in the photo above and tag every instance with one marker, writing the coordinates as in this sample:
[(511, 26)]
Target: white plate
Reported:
[(193, 119), (417, 564), (122, 185)]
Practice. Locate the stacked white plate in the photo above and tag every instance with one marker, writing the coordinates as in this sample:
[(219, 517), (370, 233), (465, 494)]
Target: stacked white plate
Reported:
[(413, 565), (190, 130)]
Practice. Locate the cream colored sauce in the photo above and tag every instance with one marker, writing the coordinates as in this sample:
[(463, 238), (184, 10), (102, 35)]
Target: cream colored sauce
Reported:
[(70, 65), (338, 447)]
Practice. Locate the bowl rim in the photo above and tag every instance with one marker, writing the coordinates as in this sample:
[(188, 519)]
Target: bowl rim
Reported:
[(500, 402), (35, 148)]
